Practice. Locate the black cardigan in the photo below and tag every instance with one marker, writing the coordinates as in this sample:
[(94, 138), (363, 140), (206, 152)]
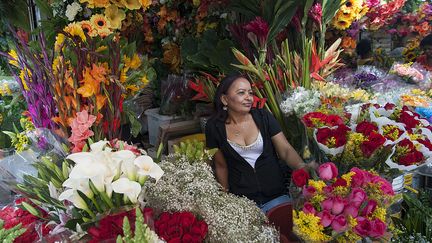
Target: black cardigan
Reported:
[(262, 183)]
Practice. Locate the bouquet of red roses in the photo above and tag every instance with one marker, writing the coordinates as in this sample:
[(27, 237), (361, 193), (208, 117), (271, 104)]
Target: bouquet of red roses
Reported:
[(180, 227), (346, 208)]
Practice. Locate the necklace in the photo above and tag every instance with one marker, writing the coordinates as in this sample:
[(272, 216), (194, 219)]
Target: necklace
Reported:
[(237, 131)]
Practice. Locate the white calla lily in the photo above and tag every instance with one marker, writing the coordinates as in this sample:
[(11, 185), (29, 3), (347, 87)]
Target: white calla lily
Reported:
[(96, 172), (130, 189), (82, 157), (98, 146), (72, 196), (146, 166), (81, 185)]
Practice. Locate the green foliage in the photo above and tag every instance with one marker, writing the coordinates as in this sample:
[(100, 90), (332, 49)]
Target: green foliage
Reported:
[(14, 12), (207, 53), (416, 216), (142, 233), (194, 151), (9, 235), (11, 107)]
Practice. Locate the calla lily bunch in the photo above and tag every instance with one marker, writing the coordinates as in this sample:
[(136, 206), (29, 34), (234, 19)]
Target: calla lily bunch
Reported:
[(103, 179)]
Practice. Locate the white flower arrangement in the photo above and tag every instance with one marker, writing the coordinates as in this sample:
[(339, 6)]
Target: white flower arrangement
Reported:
[(72, 10), (301, 101), (192, 187)]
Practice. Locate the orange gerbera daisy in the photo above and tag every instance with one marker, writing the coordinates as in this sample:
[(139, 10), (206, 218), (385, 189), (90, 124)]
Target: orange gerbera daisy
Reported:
[(88, 28), (100, 22)]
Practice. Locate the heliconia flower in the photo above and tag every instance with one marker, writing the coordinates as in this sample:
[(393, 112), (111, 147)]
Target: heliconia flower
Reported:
[(241, 58)]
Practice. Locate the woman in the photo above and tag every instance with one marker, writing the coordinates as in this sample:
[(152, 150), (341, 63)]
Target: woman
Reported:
[(250, 145), (426, 58), (364, 53)]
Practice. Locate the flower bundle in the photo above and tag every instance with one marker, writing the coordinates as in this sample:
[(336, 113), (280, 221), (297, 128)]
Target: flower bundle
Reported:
[(300, 102), (13, 215), (87, 186), (190, 186), (408, 72), (96, 75), (180, 227), (345, 208), (381, 13)]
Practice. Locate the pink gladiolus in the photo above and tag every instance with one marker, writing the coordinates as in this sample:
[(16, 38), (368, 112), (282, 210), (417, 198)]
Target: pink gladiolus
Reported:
[(326, 218), (357, 197), (351, 210), (370, 208), (309, 191), (309, 208), (80, 129), (328, 171), (378, 228), (339, 223)]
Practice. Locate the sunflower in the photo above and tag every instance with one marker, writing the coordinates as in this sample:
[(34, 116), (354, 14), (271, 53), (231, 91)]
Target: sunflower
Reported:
[(96, 3), (88, 28), (132, 4), (100, 22), (74, 29), (115, 16), (341, 24), (409, 56), (104, 32), (354, 4)]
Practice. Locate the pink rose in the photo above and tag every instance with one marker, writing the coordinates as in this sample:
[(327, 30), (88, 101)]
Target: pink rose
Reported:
[(328, 171), (338, 205), (363, 227), (351, 210), (386, 187), (378, 228), (328, 190), (370, 208), (308, 208), (326, 218), (309, 192), (339, 223), (357, 197), (357, 180), (327, 204)]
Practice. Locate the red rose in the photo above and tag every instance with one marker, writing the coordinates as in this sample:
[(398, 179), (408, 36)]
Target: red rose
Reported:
[(406, 143), (363, 227), (164, 217), (175, 240), (334, 120), (409, 120), (375, 141), (309, 208), (378, 228), (186, 219), (370, 208), (340, 182), (175, 231), (426, 143), (389, 106), (411, 158), (366, 128), (309, 117), (300, 177), (200, 228), (308, 191), (323, 134)]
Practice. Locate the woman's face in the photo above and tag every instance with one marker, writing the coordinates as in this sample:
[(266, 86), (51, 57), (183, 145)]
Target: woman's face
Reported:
[(239, 97)]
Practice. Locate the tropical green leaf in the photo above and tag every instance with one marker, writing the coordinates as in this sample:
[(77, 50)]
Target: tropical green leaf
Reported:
[(329, 9), (284, 10)]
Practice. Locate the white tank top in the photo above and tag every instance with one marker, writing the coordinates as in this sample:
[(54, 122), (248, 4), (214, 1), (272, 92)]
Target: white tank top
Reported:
[(249, 152)]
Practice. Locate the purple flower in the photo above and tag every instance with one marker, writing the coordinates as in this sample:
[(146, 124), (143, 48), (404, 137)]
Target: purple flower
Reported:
[(315, 13), (354, 29), (42, 143), (365, 80)]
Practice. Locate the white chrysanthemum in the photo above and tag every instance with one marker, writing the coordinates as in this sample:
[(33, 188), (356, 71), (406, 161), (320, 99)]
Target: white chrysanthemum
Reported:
[(301, 102), (72, 10)]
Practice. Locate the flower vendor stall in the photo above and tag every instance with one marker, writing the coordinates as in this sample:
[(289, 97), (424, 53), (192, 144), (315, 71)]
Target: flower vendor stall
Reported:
[(101, 102)]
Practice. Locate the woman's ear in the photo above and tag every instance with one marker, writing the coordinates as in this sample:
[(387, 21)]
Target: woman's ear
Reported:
[(224, 100)]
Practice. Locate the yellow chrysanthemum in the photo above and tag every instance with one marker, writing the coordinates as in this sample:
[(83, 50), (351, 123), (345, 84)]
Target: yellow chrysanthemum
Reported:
[(146, 4), (59, 42), (317, 199), (74, 29), (100, 22), (88, 28), (115, 16), (132, 63), (347, 177), (132, 88), (318, 185), (22, 143), (309, 228), (14, 58), (132, 4), (101, 48)]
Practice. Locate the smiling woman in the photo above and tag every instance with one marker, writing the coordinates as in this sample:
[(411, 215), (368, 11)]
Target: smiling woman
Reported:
[(250, 144)]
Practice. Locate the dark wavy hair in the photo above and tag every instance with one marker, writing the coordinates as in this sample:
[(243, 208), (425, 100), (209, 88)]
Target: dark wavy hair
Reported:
[(427, 41), (224, 85), (363, 47)]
